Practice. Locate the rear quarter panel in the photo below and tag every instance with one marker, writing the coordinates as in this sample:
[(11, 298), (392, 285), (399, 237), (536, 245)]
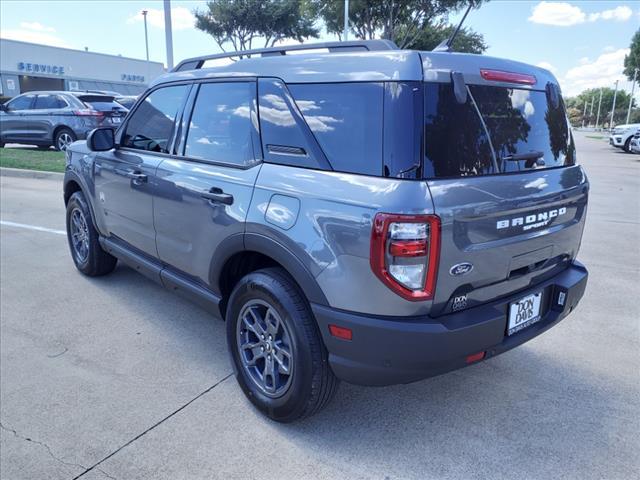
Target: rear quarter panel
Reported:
[(325, 218)]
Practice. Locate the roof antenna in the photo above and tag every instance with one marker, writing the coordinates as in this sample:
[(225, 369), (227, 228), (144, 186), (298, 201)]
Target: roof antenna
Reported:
[(445, 45)]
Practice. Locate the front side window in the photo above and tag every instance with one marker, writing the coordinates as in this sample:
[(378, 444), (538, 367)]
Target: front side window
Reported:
[(151, 125), (47, 102), (21, 103), (222, 123), (346, 119)]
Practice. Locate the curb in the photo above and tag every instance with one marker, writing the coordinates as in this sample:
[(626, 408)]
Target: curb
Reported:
[(24, 173)]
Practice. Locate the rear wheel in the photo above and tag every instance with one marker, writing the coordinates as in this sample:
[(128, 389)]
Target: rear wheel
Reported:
[(63, 138), (86, 251), (277, 352)]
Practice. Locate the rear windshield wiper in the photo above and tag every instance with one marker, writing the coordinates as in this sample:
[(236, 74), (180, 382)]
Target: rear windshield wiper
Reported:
[(532, 158)]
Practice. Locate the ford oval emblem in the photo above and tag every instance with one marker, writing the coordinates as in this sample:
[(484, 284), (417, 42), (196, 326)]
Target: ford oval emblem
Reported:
[(461, 269)]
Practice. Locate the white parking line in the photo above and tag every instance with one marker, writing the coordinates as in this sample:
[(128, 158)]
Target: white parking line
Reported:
[(33, 227)]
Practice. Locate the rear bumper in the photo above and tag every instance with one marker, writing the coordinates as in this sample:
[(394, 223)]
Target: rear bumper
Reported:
[(392, 350)]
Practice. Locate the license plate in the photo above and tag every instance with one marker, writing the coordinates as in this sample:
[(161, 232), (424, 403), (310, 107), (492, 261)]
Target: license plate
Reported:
[(116, 119), (524, 312)]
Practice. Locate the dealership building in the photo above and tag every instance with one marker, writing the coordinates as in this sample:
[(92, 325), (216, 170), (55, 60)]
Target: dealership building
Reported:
[(25, 67)]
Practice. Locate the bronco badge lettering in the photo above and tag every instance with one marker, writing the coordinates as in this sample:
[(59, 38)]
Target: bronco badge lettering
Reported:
[(531, 221)]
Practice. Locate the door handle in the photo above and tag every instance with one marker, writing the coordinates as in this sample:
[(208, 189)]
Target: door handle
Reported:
[(216, 195), (137, 176)]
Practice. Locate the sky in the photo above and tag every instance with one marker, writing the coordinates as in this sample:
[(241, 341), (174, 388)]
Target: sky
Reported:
[(582, 42)]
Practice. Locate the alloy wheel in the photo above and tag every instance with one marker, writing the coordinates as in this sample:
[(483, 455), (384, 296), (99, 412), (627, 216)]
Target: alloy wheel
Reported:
[(64, 140), (79, 235), (265, 347)]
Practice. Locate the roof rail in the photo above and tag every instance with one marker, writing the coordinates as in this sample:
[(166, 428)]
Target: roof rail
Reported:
[(196, 63)]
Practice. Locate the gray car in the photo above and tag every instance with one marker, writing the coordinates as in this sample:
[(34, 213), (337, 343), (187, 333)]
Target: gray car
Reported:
[(365, 214), (56, 118)]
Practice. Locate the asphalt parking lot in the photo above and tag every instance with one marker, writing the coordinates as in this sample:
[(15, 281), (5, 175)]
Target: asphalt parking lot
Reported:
[(117, 378)]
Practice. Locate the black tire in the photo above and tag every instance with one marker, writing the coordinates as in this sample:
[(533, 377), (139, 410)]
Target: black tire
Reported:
[(96, 261), (312, 384), (63, 137), (626, 145)]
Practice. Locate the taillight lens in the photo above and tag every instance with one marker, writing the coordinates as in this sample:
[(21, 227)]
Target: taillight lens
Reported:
[(87, 112), (508, 77), (405, 251)]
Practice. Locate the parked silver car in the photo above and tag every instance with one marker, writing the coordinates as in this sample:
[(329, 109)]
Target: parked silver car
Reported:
[(56, 118)]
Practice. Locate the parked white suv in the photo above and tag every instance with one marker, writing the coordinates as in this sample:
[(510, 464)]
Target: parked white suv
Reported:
[(622, 134), (634, 145)]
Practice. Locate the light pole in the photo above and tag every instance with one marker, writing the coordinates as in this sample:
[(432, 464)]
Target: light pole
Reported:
[(146, 37), (599, 103), (591, 110), (633, 87), (345, 31), (613, 108), (168, 34), (584, 113)]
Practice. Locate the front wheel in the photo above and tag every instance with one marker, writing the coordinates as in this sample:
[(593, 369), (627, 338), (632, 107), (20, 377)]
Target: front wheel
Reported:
[(627, 144), (277, 352), (82, 235)]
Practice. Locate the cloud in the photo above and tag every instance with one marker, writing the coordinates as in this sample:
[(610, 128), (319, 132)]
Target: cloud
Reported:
[(181, 18), (559, 14), (602, 72), (621, 14), (38, 27), (547, 66), (32, 36), (563, 14)]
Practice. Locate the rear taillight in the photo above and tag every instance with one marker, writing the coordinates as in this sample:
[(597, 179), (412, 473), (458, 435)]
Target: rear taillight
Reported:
[(87, 112), (405, 251), (508, 77)]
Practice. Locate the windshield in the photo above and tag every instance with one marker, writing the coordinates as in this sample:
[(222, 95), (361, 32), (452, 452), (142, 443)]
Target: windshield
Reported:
[(512, 123)]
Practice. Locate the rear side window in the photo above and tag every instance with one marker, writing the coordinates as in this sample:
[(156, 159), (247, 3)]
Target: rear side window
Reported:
[(221, 128), (21, 103), (346, 119), (49, 102), (151, 125)]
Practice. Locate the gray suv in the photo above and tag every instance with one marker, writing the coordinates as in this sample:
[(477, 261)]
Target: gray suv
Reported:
[(365, 214), (56, 118)]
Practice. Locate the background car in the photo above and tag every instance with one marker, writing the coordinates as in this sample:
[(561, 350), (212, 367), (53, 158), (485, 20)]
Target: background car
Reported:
[(56, 118), (621, 135), (634, 145), (127, 101)]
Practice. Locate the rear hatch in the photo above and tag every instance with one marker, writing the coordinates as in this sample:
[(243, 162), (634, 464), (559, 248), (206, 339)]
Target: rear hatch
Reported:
[(111, 112), (500, 164)]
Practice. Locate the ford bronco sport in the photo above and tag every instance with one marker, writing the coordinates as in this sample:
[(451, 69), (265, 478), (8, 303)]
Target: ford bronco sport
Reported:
[(362, 213)]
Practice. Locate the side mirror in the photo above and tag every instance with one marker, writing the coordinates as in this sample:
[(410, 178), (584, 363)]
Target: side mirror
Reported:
[(101, 139), (3, 107)]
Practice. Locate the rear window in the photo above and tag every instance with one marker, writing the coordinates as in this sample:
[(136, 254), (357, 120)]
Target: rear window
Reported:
[(101, 103), (346, 119), (517, 122)]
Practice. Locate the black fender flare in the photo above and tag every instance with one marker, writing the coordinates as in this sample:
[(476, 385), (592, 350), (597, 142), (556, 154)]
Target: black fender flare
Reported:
[(69, 176), (259, 243)]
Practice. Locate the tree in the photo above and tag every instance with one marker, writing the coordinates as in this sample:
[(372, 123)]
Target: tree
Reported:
[(632, 61), (408, 23), (466, 41), (575, 107), (241, 22)]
